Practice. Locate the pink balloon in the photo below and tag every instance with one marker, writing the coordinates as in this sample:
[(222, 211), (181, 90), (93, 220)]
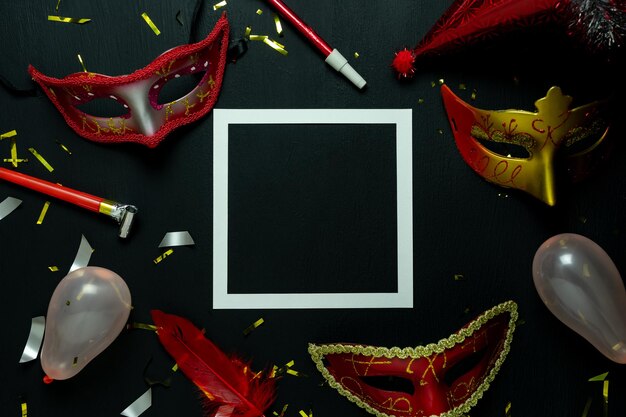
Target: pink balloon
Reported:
[(581, 286), (87, 311)]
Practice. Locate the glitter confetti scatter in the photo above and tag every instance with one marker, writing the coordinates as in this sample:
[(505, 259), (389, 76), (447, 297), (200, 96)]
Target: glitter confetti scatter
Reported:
[(140, 405), (79, 21), (8, 205), (253, 326), (219, 5), (172, 239), (35, 337), (150, 23), (44, 210), (279, 26), (163, 256), (41, 159), (83, 255)]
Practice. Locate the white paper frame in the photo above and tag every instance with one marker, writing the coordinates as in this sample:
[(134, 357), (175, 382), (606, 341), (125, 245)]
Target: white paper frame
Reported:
[(402, 119)]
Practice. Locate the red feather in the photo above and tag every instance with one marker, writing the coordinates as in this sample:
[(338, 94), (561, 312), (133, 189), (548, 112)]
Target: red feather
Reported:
[(227, 382)]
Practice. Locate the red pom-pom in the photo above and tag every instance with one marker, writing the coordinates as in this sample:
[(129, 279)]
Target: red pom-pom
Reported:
[(403, 63)]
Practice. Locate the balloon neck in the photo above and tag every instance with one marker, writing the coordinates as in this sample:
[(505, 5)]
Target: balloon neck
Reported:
[(47, 380)]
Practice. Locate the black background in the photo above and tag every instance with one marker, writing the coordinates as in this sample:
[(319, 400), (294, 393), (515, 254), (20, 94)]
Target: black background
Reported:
[(462, 225)]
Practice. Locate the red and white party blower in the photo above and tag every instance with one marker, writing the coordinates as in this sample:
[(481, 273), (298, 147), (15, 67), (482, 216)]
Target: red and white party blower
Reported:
[(124, 214)]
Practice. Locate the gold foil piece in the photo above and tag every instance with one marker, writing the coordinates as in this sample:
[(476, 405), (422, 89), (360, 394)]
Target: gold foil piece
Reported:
[(83, 255), (44, 210), (8, 134), (82, 64), (143, 326), (356, 55), (41, 159), (57, 6), (163, 256), (253, 326), (8, 205), (275, 45), (35, 337), (303, 413), (140, 405), (473, 96), (150, 23), (587, 407), (279, 26), (259, 12), (175, 367), (459, 277), (420, 101), (79, 21), (219, 5), (53, 268), (507, 409), (605, 391), (599, 378), (24, 406), (247, 33), (63, 146), (441, 81), (14, 160)]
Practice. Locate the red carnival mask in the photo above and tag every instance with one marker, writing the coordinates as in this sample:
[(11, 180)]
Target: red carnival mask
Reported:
[(444, 379), (146, 121)]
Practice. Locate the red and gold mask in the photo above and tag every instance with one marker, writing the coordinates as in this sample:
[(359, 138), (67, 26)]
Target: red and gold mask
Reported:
[(147, 120), (442, 379), (553, 127)]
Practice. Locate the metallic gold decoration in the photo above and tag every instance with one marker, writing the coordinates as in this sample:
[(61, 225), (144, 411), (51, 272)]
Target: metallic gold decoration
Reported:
[(41, 159), (82, 64), (53, 268), (83, 255), (24, 406), (163, 256), (279, 26), (259, 12), (14, 160), (8, 205), (247, 33), (275, 45), (8, 134), (420, 101), (140, 405), (150, 23), (65, 148), (605, 390), (356, 55), (35, 337), (219, 5), (507, 409), (175, 367), (79, 21), (44, 210), (253, 326)]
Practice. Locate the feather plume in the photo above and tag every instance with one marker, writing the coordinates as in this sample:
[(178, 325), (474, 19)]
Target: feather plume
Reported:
[(228, 383)]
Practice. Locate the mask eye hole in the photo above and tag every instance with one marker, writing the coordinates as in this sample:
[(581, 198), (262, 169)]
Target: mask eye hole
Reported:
[(464, 366), (177, 88), (507, 145), (103, 107), (390, 383)]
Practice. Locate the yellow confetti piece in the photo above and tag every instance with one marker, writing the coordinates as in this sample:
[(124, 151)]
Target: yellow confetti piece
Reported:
[(420, 101), (275, 45), (433, 84), (143, 326), (41, 159), (462, 86), (279, 26), (165, 255), (473, 96), (599, 378), (8, 134), (441, 81), (257, 37), (175, 367), (440, 131), (303, 413), (44, 210), (459, 277), (253, 326), (150, 23), (247, 32), (82, 64), (356, 55), (24, 410), (507, 409), (14, 160), (57, 6), (587, 407), (64, 147), (259, 12), (292, 372), (79, 21), (53, 268), (290, 363), (605, 391), (219, 5)]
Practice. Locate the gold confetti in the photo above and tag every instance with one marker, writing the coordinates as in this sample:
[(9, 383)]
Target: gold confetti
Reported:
[(219, 5), (247, 32), (259, 12), (253, 326), (473, 96), (175, 367), (459, 277), (8, 134), (82, 64), (433, 84), (14, 160), (41, 159), (303, 413), (79, 21), (275, 45), (44, 210), (462, 86), (24, 409), (143, 326), (599, 378), (420, 101), (587, 407), (279, 26), (507, 409), (441, 81), (63, 146), (292, 372), (356, 55), (163, 256), (150, 23), (605, 391), (282, 413), (53, 268)]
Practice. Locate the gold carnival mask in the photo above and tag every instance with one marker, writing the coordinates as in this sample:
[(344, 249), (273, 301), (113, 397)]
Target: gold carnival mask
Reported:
[(445, 379), (539, 135)]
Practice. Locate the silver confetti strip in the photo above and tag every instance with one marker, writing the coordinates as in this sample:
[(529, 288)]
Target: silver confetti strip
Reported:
[(172, 239), (8, 205), (82, 255), (140, 405), (31, 350)]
